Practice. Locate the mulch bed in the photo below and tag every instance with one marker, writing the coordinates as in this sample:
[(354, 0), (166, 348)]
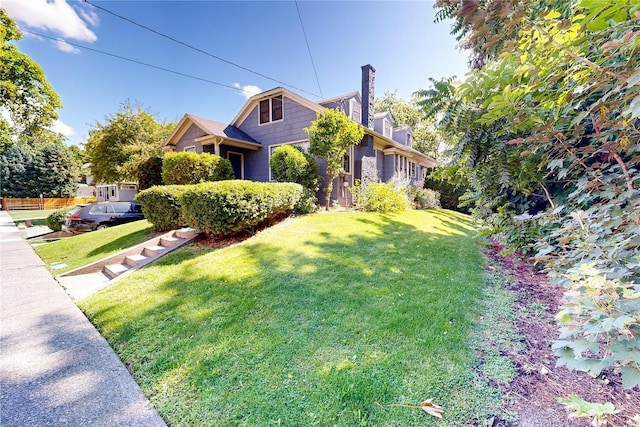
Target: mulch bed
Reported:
[(539, 382)]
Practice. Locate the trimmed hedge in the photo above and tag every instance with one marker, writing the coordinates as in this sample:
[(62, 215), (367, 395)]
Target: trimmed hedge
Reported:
[(184, 168), (161, 206), (150, 173), (228, 207)]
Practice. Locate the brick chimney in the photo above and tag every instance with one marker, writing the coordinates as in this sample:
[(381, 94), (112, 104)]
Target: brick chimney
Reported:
[(368, 95)]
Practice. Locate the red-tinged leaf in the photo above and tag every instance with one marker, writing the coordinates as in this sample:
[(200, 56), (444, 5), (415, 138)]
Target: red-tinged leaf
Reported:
[(468, 8), (611, 44)]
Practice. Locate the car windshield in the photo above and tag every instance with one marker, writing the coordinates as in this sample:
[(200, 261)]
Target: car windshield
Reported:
[(74, 211)]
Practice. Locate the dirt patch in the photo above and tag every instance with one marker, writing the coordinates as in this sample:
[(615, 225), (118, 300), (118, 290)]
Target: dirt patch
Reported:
[(539, 382)]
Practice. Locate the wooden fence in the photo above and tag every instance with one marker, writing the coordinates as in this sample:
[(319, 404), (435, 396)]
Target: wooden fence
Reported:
[(36, 203)]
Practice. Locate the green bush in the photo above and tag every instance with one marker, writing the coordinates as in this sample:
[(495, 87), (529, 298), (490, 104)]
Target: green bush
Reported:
[(161, 206), (289, 163), (185, 168), (228, 207), (423, 198), (56, 218), (379, 197), (150, 173)]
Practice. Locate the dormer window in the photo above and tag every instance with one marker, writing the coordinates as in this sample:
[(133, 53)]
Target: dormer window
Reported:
[(387, 128), (271, 109), (355, 111)]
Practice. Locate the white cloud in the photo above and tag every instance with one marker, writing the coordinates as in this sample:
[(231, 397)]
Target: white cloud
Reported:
[(250, 90), (56, 16), (62, 128), (65, 47)]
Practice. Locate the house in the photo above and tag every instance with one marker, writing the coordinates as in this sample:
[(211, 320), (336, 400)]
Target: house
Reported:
[(278, 117)]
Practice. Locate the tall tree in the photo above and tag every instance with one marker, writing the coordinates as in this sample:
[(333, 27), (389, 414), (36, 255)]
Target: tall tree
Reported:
[(57, 171), (126, 140), (556, 94), (330, 136), (17, 174), (25, 94)]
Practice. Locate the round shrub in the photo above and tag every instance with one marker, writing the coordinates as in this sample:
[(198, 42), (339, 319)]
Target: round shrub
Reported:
[(184, 168), (384, 197), (228, 207), (161, 206), (289, 163), (56, 218)]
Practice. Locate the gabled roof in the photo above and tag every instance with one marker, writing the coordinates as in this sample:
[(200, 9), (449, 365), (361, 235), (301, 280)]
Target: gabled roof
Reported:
[(254, 100), (341, 97), (382, 115), (210, 128)]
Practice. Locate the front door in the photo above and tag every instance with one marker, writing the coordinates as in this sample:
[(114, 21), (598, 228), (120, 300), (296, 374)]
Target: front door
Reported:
[(237, 162)]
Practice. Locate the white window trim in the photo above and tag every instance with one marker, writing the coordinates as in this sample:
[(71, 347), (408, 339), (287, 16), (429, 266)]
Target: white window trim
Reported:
[(241, 161), (299, 143), (270, 99), (350, 153), (189, 148), (353, 105)]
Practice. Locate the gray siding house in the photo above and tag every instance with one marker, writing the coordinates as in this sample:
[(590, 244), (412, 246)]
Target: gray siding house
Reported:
[(278, 117)]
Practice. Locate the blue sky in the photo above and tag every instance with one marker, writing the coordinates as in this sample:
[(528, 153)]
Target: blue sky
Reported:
[(398, 38)]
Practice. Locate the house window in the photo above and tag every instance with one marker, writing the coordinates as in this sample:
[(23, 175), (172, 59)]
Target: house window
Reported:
[(355, 112), (190, 149), (387, 128), (271, 110), (346, 163)]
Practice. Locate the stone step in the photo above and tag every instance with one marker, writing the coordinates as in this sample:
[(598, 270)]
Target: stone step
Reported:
[(152, 251), (135, 260), (186, 233), (114, 270), (170, 241)]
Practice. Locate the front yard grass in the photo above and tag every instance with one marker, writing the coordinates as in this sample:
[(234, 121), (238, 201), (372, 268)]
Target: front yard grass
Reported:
[(83, 249), (21, 215), (332, 319)]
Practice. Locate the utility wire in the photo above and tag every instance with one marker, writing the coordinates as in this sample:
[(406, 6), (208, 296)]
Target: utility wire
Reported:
[(308, 48), (198, 49), (132, 60)]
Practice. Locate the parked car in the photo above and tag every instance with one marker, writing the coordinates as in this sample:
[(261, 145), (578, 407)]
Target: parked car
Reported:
[(96, 216)]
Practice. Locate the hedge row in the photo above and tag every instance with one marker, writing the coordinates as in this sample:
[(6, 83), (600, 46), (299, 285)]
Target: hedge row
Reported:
[(218, 208), (161, 206)]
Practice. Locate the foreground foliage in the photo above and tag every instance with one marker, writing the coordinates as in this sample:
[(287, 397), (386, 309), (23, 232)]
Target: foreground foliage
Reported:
[(548, 140), (307, 324)]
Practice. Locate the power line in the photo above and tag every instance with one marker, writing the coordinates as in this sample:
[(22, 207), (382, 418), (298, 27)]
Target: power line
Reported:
[(132, 60), (308, 48), (198, 49)]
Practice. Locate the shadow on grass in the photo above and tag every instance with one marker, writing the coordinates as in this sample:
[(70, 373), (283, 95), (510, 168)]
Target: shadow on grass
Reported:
[(125, 241), (324, 320)]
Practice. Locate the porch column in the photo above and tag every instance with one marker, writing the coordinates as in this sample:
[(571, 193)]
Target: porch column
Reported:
[(216, 146)]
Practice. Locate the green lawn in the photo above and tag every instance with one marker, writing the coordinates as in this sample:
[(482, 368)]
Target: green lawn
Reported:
[(85, 248), (332, 319), (21, 215)]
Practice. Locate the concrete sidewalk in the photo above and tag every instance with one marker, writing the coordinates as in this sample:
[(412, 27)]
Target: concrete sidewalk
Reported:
[(55, 368)]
